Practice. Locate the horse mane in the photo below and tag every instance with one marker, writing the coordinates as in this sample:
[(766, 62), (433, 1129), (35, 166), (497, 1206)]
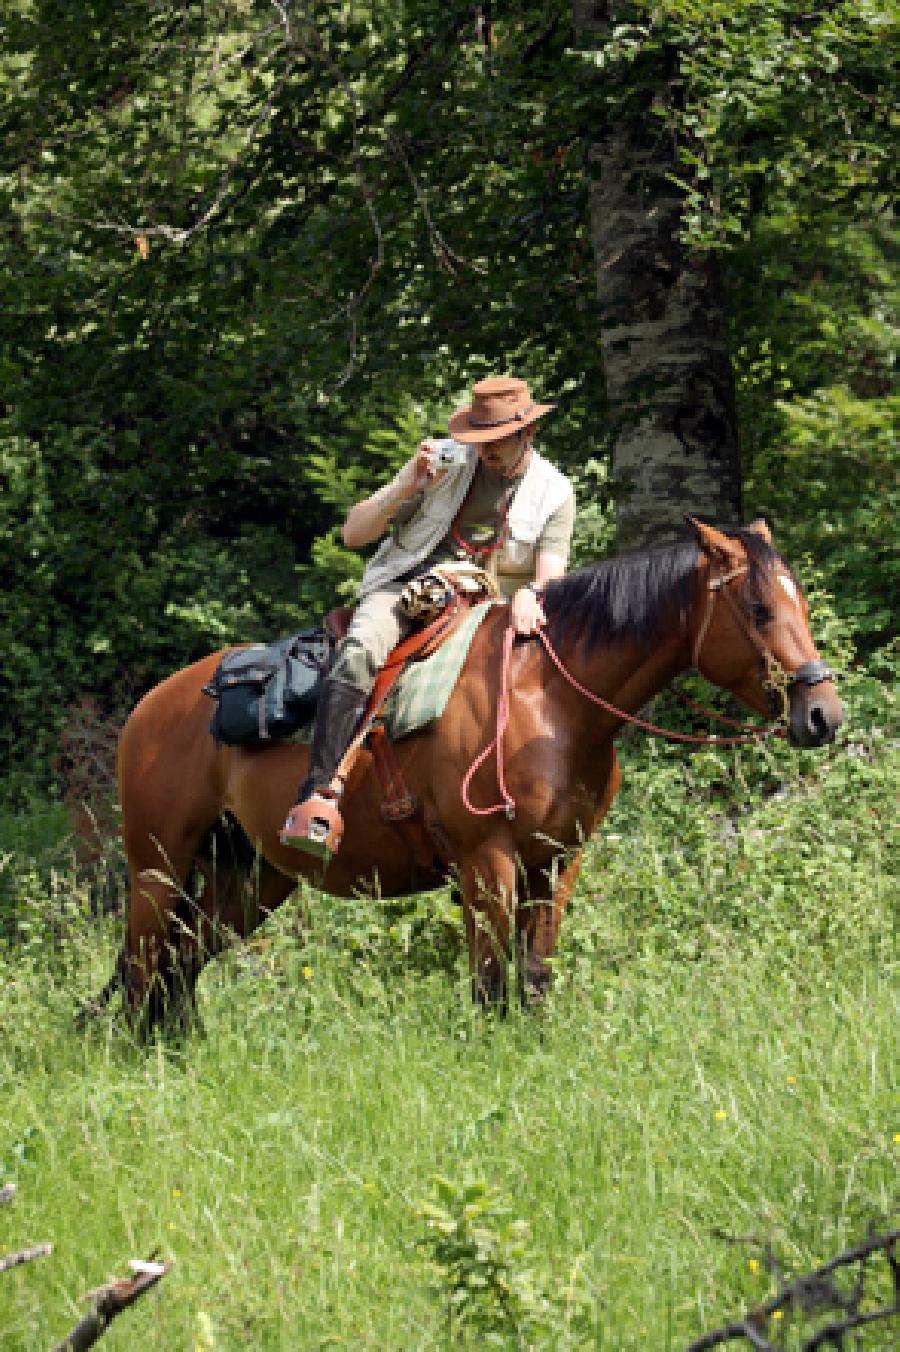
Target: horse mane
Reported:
[(645, 595)]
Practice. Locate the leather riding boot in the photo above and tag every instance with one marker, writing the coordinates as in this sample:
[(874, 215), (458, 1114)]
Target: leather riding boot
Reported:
[(314, 823)]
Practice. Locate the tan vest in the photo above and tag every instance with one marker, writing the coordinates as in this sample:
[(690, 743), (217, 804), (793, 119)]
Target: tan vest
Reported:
[(543, 489)]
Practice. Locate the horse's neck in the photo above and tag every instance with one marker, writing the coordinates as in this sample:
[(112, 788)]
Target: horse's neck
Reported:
[(625, 673)]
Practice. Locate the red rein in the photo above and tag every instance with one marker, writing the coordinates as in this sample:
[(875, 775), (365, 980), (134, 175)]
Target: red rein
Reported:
[(508, 805)]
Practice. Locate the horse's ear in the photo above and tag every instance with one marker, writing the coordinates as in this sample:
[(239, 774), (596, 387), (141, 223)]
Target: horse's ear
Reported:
[(715, 543), (760, 527)]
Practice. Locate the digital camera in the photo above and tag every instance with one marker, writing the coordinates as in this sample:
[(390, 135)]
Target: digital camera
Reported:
[(447, 452)]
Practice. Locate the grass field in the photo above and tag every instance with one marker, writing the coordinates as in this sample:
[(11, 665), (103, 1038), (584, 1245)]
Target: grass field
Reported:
[(352, 1157)]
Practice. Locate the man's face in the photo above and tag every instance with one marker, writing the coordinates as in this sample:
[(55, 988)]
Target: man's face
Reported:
[(508, 455)]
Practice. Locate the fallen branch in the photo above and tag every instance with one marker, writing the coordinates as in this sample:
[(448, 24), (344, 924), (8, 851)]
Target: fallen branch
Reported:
[(12, 1260), (110, 1300), (816, 1291)]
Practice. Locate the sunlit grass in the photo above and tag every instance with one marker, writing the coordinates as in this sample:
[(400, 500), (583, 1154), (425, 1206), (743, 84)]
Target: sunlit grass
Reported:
[(696, 1074)]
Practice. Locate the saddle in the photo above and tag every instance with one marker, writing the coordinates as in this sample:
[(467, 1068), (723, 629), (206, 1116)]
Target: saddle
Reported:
[(438, 601)]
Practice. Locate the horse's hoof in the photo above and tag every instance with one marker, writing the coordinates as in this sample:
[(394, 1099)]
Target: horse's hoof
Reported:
[(536, 982), (489, 990)]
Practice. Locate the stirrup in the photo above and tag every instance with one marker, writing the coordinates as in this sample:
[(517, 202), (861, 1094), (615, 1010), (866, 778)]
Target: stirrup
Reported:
[(315, 825)]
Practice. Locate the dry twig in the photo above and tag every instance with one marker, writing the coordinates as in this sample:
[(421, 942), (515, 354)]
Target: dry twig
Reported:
[(12, 1260), (816, 1291), (109, 1300)]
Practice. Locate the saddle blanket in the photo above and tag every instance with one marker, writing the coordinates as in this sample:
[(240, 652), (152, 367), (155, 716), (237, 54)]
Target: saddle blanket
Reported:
[(421, 694)]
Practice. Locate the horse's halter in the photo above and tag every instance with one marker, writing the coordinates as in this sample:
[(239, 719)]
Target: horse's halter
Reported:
[(777, 681)]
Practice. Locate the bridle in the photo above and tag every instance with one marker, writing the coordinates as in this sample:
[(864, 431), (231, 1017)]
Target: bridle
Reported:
[(777, 682)]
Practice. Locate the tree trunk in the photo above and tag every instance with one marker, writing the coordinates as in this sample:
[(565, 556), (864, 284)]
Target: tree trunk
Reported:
[(662, 320)]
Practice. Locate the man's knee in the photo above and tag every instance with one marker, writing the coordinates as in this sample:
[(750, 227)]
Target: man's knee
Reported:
[(355, 664)]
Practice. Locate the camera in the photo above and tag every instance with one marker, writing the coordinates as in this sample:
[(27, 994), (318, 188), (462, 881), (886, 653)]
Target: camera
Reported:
[(447, 452)]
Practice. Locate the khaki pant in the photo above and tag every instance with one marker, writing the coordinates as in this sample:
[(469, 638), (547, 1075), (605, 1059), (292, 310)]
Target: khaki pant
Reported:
[(377, 626)]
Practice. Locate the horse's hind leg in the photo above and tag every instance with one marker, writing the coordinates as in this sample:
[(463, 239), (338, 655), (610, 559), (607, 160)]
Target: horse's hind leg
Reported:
[(231, 890), (158, 891), (171, 793)]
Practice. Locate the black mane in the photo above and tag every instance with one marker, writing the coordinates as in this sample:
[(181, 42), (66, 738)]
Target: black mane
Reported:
[(645, 595)]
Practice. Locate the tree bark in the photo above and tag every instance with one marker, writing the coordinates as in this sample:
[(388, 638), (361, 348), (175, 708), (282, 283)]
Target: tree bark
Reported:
[(662, 318)]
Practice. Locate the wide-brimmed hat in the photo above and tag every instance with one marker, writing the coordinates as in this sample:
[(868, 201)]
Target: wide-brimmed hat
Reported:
[(500, 406)]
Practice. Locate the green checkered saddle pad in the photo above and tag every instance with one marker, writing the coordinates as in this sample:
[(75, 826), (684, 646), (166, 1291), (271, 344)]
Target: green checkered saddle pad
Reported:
[(421, 694)]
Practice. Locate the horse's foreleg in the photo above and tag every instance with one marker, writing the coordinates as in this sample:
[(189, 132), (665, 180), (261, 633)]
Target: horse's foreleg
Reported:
[(539, 920), (549, 893), (488, 886)]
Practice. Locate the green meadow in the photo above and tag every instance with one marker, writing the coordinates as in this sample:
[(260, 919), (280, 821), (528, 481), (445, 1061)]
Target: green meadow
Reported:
[(349, 1155)]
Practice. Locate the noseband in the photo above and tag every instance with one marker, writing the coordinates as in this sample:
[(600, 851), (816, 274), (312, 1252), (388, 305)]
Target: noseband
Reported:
[(777, 680)]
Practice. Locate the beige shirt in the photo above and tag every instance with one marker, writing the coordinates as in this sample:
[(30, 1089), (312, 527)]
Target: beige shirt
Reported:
[(421, 527), (513, 563)]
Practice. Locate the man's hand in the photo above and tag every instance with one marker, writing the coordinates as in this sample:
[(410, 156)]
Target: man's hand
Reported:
[(370, 518), (527, 612), (421, 471)]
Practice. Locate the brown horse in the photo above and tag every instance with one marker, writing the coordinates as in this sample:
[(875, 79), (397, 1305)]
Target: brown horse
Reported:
[(726, 603)]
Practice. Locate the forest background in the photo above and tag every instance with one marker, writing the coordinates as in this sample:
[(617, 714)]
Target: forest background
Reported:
[(252, 251)]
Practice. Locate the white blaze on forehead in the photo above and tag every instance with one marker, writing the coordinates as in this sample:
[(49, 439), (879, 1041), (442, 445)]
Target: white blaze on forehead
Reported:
[(788, 584)]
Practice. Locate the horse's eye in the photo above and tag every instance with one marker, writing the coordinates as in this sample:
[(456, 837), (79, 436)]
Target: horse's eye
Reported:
[(762, 615)]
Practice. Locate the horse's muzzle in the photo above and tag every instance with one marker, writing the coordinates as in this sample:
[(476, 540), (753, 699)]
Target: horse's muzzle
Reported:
[(815, 711)]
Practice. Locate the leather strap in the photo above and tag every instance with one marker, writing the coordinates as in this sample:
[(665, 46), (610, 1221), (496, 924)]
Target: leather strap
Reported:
[(421, 643), (398, 806), (813, 673), (397, 803)]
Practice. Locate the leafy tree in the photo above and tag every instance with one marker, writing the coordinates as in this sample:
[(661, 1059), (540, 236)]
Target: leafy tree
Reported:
[(251, 250), (661, 310), (781, 115)]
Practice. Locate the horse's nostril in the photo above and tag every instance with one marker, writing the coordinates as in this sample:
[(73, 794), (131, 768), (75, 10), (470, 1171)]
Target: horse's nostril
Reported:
[(818, 722)]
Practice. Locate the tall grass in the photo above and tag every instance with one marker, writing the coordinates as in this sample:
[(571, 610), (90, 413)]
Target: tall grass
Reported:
[(716, 1060)]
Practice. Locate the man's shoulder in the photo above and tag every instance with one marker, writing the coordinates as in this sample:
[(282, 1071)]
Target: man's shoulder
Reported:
[(552, 471), (552, 478)]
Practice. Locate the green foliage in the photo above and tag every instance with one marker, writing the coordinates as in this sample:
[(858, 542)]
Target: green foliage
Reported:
[(35, 863), (481, 1253), (250, 254), (595, 525), (782, 116)]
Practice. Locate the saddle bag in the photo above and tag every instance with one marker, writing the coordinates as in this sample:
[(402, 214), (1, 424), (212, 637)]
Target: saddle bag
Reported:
[(266, 692)]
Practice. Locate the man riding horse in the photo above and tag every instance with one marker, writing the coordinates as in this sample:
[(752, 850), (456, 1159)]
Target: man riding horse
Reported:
[(497, 502)]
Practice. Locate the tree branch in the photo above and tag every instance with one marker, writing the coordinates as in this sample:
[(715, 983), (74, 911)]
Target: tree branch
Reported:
[(110, 1300), (814, 1291), (12, 1260)]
